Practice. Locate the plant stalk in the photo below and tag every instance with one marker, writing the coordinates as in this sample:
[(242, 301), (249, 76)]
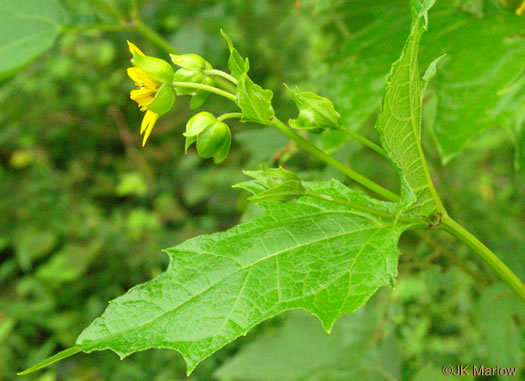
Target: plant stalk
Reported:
[(314, 151), (485, 254), (211, 89), (361, 139), (153, 36)]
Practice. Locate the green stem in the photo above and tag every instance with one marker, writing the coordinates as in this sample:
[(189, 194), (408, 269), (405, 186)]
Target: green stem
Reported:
[(220, 73), (361, 139), (211, 89), (485, 254), (94, 27), (153, 36), (112, 11), (51, 360), (314, 151), (226, 85), (231, 115)]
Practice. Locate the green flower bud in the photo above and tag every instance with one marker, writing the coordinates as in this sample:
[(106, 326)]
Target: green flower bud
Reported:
[(163, 101), (306, 121), (201, 96), (198, 123), (273, 184), (314, 111), (156, 68), (223, 151), (270, 177), (190, 62), (212, 141), (184, 75)]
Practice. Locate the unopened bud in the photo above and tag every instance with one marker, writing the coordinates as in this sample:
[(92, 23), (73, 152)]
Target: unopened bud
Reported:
[(190, 62)]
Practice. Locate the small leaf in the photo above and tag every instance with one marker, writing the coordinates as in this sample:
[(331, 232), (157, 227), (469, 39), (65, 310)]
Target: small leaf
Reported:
[(236, 63), (254, 102), (27, 29)]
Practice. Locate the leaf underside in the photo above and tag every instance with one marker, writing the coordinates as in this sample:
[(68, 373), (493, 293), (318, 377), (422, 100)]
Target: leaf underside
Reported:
[(310, 254), (399, 123)]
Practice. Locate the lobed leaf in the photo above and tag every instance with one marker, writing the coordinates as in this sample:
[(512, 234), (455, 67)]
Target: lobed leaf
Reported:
[(236, 63), (310, 254)]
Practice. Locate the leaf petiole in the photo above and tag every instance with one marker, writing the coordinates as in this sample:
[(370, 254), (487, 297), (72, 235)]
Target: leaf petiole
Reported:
[(231, 115), (323, 156), (222, 74), (361, 139)]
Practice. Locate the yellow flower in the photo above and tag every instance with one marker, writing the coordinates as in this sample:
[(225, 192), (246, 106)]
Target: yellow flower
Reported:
[(144, 95), (521, 9)]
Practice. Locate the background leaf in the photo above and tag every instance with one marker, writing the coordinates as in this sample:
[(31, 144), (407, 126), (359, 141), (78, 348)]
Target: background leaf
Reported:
[(467, 84), (307, 254), (27, 29), (300, 350)]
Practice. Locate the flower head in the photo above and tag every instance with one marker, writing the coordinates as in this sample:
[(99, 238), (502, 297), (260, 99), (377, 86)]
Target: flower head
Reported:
[(154, 93)]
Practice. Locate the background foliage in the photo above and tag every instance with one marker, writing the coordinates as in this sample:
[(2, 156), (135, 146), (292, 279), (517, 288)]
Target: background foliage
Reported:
[(86, 210)]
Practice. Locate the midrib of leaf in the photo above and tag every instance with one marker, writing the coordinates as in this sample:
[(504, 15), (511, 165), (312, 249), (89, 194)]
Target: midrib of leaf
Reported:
[(416, 119), (250, 266), (406, 67)]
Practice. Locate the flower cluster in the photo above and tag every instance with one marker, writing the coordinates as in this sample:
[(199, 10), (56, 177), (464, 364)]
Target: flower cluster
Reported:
[(157, 88)]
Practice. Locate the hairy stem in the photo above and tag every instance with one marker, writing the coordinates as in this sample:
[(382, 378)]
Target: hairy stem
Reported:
[(220, 73), (155, 38), (316, 152), (200, 86), (230, 115), (485, 254), (226, 85), (361, 139)]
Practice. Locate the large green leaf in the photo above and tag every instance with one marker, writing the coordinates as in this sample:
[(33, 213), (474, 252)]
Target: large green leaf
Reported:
[(27, 28), (467, 86), (300, 350), (399, 123), (310, 254)]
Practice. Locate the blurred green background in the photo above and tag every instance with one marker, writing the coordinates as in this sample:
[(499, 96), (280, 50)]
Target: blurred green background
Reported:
[(86, 210)]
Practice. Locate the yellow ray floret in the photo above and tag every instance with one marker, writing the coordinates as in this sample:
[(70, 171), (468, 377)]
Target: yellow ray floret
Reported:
[(150, 118), (144, 94), (521, 9)]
